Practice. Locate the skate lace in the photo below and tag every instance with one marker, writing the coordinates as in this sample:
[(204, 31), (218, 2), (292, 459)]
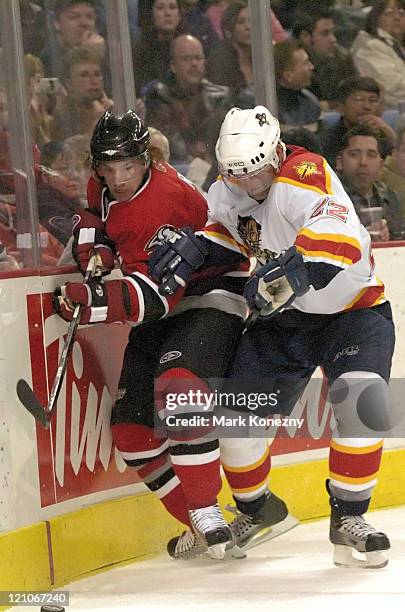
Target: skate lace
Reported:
[(186, 542), (357, 526), (242, 524), (207, 519)]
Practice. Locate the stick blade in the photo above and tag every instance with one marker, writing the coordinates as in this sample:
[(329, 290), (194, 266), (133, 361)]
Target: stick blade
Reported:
[(29, 400)]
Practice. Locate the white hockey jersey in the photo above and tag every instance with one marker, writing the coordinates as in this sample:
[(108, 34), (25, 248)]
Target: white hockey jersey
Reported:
[(306, 206)]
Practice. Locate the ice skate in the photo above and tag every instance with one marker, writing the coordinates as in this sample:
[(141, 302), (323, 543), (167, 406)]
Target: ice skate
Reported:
[(272, 520), (210, 526), (357, 544), (186, 546)]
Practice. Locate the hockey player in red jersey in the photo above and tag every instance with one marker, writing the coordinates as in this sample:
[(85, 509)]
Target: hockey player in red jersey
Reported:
[(315, 300), (135, 200)]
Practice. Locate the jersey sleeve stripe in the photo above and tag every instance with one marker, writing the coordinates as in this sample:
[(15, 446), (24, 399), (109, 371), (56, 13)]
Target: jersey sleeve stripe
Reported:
[(339, 238), (320, 247), (370, 296), (325, 257)]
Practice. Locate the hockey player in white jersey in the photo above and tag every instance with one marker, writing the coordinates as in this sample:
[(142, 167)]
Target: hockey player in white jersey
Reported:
[(315, 300)]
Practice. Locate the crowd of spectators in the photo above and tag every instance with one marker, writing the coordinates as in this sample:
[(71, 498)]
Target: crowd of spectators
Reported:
[(340, 81)]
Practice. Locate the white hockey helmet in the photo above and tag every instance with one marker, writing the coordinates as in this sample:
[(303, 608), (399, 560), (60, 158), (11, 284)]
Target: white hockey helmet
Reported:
[(248, 142)]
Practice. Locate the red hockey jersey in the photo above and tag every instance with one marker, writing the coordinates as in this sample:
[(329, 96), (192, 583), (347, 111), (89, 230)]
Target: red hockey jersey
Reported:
[(164, 202)]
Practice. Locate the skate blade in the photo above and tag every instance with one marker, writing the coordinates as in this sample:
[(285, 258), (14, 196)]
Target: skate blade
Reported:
[(345, 556), (269, 533), (217, 551), (234, 552)]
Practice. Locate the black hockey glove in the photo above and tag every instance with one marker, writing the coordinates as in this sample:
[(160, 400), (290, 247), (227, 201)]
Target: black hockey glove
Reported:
[(276, 284), (175, 259)]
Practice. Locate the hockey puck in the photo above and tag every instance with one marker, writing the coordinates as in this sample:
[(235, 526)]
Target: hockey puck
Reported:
[(52, 609)]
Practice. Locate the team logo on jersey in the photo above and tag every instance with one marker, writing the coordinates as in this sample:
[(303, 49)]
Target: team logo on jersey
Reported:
[(250, 231), (170, 356), (306, 169), (159, 236)]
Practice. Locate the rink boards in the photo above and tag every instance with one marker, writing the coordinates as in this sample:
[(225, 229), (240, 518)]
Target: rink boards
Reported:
[(68, 505)]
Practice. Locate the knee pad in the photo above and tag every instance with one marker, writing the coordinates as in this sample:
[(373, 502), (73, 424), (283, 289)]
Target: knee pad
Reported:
[(361, 405), (179, 392)]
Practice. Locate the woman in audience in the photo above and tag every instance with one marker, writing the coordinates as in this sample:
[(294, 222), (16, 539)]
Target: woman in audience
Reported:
[(217, 9), (41, 121), (376, 52), (230, 63), (159, 20)]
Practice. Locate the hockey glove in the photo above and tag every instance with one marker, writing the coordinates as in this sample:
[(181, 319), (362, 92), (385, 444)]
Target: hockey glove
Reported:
[(174, 260), (91, 240), (102, 302), (276, 284)]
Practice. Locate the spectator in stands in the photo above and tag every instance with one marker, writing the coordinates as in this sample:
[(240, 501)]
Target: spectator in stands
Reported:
[(197, 23), (347, 22), (217, 9), (80, 147), (393, 170), (400, 36), (33, 24), (376, 52), (86, 101), (41, 121), (159, 20), (74, 24), (360, 101), (331, 62), (58, 190), (191, 96), (297, 106), (287, 10), (359, 164), (301, 137), (230, 63)]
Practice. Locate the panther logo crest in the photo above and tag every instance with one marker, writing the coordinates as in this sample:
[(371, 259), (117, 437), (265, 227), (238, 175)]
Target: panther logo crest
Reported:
[(250, 231)]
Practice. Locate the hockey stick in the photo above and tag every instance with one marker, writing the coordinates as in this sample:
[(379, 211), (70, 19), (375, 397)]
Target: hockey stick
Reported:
[(268, 312), (43, 414)]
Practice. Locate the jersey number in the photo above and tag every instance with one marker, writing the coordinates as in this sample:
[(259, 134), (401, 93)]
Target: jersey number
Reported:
[(331, 209)]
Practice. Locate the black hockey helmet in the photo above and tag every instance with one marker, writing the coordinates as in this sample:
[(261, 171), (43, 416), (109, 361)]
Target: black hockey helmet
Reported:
[(117, 137)]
